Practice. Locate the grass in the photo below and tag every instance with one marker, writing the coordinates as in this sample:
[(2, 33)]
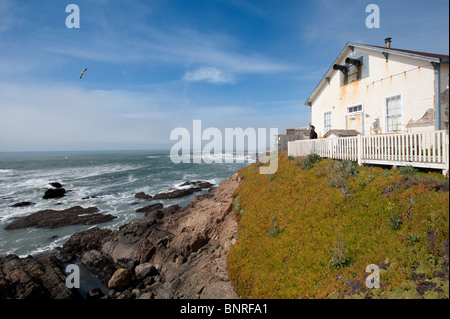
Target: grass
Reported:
[(291, 237)]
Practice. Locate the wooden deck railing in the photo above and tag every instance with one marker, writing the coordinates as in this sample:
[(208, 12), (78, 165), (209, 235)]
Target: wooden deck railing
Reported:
[(426, 149)]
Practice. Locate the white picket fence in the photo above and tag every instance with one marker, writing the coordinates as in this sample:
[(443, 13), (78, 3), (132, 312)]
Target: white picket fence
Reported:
[(426, 149)]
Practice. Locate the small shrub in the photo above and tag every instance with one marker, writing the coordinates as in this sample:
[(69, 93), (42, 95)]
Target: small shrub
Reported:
[(386, 174), (413, 238), (395, 222), (346, 168), (339, 256), (408, 170), (237, 204), (309, 161), (276, 230), (362, 183), (271, 178)]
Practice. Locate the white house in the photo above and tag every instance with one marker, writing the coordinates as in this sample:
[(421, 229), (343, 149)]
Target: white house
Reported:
[(374, 89)]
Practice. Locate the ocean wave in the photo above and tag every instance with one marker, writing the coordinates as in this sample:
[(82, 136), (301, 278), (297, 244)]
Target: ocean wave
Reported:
[(222, 157), (59, 241)]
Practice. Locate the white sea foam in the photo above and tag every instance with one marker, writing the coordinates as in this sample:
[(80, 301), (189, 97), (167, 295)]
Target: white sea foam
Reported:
[(114, 182)]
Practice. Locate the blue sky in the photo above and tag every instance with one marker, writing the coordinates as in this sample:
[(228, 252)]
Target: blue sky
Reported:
[(157, 65)]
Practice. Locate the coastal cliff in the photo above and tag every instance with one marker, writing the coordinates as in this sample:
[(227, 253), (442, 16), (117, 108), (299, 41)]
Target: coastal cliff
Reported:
[(172, 252)]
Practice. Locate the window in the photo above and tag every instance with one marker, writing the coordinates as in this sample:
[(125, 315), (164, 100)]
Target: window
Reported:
[(354, 109), (393, 113), (327, 121)]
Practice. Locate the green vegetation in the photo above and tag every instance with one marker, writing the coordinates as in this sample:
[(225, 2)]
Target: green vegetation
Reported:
[(308, 162), (340, 258), (276, 230), (237, 205), (308, 233)]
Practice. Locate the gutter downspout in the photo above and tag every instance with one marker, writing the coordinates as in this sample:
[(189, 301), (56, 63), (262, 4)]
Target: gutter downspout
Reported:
[(310, 112), (437, 95)]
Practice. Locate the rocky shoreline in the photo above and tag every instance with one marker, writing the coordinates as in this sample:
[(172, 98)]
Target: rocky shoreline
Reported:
[(172, 252)]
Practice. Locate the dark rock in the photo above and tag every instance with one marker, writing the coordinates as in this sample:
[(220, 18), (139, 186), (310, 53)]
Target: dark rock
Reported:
[(201, 184), (200, 241), (172, 209), (143, 195), (87, 197), (54, 193), (50, 218), (417, 277), (84, 241), (145, 270), (56, 185), (384, 265), (98, 264), (158, 214), (425, 286), (356, 287), (150, 208), (21, 204), (34, 277), (95, 293), (177, 193)]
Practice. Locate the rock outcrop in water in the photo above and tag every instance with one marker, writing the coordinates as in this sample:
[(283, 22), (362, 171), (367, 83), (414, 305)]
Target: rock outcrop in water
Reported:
[(50, 218), (172, 252), (54, 193), (197, 186)]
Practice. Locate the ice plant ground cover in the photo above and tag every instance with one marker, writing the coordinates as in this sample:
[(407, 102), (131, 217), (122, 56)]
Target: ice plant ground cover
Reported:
[(310, 231)]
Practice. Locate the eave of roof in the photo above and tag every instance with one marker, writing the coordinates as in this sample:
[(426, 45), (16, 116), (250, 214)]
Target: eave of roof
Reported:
[(429, 57)]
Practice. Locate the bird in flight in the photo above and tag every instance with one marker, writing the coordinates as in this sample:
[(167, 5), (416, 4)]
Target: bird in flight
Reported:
[(81, 75)]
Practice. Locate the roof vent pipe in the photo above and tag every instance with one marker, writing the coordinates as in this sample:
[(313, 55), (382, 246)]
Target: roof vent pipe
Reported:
[(339, 67), (355, 62), (388, 42)]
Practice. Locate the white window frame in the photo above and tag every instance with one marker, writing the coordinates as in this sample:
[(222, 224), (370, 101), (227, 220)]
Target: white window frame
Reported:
[(400, 117), (355, 112), (323, 121)]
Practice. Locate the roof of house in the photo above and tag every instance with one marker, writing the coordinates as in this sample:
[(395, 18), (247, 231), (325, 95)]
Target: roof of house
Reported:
[(434, 56), (345, 133), (429, 57)]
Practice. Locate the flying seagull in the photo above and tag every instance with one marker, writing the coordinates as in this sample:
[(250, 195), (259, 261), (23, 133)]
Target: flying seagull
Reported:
[(81, 75)]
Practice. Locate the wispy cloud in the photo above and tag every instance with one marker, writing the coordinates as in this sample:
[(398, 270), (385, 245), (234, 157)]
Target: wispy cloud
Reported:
[(178, 46), (210, 75)]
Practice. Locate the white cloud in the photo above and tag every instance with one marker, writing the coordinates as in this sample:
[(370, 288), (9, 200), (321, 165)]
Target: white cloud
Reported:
[(210, 75)]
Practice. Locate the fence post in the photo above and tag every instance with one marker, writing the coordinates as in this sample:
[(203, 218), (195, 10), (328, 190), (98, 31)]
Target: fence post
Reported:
[(446, 154), (359, 149)]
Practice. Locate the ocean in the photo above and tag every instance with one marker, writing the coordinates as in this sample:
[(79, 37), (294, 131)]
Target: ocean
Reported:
[(104, 179)]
